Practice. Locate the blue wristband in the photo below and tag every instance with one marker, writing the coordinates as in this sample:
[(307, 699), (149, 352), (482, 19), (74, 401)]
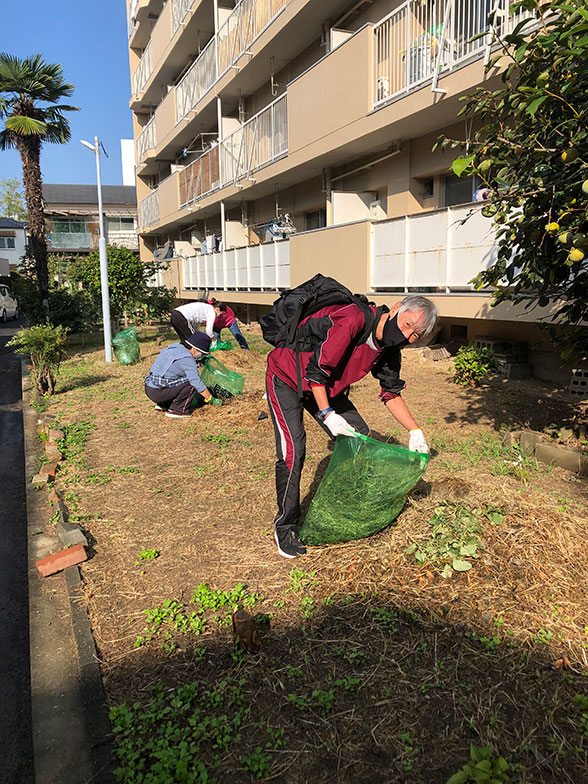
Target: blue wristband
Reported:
[(322, 415)]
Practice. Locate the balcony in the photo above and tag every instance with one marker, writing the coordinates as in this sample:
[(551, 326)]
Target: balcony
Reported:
[(79, 240), (145, 141), (179, 10), (149, 210), (200, 177), (422, 41), (247, 21), (200, 77), (435, 251), (143, 71), (263, 267)]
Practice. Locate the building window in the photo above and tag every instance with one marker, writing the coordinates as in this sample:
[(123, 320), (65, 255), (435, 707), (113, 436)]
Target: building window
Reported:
[(7, 242), (64, 226), (460, 190), (120, 224), (317, 219)]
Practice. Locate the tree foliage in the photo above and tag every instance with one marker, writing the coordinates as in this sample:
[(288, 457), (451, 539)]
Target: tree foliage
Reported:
[(26, 86), (531, 152), (127, 278), (12, 200), (45, 345)]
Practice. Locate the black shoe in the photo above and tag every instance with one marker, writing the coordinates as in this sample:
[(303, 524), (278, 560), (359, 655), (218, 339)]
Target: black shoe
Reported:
[(289, 544)]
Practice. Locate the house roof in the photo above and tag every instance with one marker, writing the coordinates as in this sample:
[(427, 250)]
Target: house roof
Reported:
[(87, 194), (10, 223)]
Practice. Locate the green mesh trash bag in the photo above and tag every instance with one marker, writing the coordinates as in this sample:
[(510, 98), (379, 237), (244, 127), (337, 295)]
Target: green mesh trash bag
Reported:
[(222, 345), (126, 346), (220, 381), (363, 490)]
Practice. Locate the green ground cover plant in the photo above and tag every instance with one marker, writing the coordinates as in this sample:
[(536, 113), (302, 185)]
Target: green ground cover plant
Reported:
[(471, 365)]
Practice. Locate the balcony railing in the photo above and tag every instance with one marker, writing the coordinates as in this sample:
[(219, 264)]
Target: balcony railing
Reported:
[(199, 78), (247, 20), (145, 140), (424, 40), (149, 209), (435, 251), (142, 71), (259, 141), (263, 267), (70, 240), (179, 10), (200, 177)]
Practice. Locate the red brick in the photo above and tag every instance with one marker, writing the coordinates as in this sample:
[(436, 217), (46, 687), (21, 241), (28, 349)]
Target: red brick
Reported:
[(56, 435), (54, 496), (52, 452), (61, 560), (50, 469), (40, 479)]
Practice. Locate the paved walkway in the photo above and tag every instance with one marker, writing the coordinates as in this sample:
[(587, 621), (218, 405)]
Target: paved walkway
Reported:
[(15, 692)]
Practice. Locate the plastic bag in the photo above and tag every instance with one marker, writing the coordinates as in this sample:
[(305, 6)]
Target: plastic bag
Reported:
[(220, 381), (126, 346), (363, 490), (222, 345)]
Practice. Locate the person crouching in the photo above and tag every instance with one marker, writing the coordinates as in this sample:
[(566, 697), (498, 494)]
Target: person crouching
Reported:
[(174, 379)]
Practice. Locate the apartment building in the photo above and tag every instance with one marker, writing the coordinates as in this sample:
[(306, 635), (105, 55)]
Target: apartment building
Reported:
[(71, 215), (278, 138)]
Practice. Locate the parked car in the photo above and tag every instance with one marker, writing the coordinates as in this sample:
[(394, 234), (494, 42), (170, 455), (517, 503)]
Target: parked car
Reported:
[(8, 304)]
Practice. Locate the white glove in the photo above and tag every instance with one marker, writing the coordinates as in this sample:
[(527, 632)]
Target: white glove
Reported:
[(339, 426), (416, 442)]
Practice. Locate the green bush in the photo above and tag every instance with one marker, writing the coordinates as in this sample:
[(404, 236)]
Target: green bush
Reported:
[(472, 364), (155, 305), (45, 344)]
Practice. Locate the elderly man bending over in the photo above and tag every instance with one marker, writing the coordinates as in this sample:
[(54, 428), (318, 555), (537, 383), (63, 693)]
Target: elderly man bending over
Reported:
[(342, 355)]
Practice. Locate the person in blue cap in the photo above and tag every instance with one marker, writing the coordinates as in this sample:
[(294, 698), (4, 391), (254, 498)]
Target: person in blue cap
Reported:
[(174, 379)]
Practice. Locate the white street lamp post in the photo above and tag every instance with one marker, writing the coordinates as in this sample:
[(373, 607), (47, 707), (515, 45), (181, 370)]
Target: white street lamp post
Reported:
[(102, 253)]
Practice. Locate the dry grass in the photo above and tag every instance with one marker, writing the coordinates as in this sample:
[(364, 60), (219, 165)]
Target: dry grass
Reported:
[(449, 662)]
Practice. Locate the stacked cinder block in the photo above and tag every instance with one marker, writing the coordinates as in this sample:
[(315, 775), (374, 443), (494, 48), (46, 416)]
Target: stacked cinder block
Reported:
[(510, 356), (579, 383)]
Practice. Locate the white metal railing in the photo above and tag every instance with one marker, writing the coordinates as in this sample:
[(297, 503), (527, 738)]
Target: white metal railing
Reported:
[(247, 20), (142, 71), (145, 140), (179, 10), (259, 141), (149, 209), (424, 40), (200, 177), (263, 267), (197, 80), (132, 19), (436, 250)]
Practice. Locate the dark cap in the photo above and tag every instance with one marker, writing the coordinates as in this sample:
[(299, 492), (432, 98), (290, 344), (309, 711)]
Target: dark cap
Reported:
[(199, 340)]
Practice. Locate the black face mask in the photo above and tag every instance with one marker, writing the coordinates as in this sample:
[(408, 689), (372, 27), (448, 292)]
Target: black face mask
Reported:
[(392, 335)]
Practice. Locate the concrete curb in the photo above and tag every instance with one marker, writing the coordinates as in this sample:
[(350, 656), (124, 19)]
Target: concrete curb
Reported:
[(71, 729), (532, 444)]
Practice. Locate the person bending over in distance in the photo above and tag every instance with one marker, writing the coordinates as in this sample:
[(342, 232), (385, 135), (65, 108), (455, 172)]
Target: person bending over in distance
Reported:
[(225, 318), (342, 355), (186, 319), (174, 379)]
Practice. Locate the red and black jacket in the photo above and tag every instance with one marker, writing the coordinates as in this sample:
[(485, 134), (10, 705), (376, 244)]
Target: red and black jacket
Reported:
[(338, 354)]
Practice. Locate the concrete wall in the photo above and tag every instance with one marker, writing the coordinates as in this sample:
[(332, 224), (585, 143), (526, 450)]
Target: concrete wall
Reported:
[(13, 255)]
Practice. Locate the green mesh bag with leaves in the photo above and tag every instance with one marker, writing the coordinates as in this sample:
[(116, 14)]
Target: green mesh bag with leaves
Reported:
[(126, 346), (363, 490), (219, 380)]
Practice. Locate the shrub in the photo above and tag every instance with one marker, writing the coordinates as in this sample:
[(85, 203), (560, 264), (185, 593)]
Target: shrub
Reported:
[(472, 364), (45, 344)]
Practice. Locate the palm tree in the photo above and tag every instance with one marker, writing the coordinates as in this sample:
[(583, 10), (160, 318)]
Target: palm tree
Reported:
[(25, 85)]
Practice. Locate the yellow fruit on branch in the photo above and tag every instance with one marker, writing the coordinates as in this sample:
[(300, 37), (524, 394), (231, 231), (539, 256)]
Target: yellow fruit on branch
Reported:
[(552, 228), (585, 187), (575, 255), (569, 155)]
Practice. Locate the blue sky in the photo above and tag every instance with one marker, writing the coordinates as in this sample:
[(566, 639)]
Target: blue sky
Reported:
[(89, 39)]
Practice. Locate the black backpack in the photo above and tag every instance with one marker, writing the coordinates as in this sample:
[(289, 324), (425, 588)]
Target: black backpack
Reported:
[(280, 325)]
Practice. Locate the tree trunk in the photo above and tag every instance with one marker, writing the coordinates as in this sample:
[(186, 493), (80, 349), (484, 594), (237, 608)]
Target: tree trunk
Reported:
[(29, 148)]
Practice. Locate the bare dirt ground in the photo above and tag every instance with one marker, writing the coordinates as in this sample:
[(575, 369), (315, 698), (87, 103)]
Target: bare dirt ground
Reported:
[(367, 665)]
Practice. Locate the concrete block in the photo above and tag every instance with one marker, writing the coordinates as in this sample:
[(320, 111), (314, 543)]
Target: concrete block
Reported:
[(50, 469), (511, 438), (40, 479), (61, 560), (559, 456), (529, 441), (70, 533)]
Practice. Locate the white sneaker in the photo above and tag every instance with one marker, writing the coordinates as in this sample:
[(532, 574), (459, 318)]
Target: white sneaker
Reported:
[(159, 408), (177, 415)]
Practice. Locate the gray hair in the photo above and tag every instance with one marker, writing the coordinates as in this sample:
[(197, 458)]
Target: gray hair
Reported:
[(428, 309)]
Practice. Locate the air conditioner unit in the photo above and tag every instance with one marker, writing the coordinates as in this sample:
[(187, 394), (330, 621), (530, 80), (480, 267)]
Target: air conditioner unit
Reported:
[(382, 88)]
